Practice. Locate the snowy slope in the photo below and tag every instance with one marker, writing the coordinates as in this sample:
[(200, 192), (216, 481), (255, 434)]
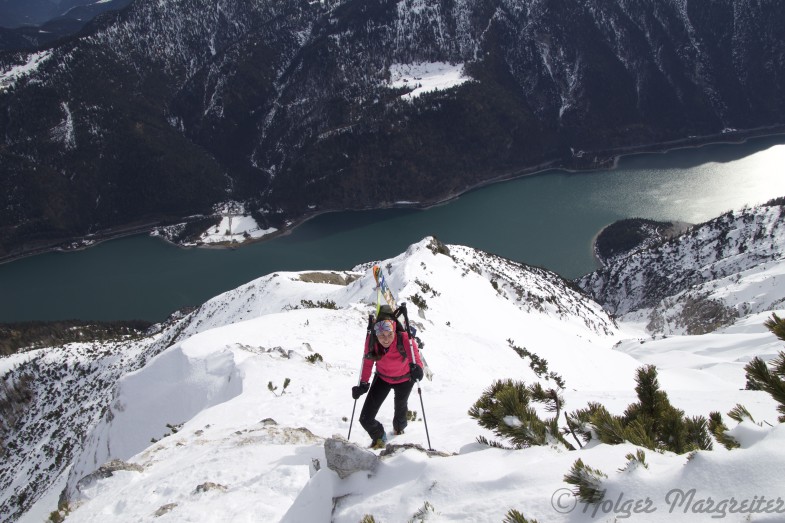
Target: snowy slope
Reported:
[(69, 389), (207, 441)]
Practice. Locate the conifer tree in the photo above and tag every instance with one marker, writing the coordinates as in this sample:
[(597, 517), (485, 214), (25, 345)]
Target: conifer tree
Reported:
[(770, 377), (652, 422)]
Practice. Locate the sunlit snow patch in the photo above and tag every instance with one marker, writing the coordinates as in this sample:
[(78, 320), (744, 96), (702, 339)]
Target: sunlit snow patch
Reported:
[(426, 77), (235, 228)]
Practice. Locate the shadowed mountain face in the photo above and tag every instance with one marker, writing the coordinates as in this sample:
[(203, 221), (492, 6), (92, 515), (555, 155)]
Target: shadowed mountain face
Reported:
[(167, 108), (18, 13), (27, 26)]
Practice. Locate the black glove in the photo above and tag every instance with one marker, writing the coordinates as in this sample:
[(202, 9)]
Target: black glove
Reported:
[(415, 371), (359, 390)]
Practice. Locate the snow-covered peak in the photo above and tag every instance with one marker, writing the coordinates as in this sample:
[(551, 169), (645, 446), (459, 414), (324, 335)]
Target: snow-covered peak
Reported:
[(454, 286)]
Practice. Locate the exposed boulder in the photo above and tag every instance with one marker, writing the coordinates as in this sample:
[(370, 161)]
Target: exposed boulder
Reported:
[(208, 486), (346, 458)]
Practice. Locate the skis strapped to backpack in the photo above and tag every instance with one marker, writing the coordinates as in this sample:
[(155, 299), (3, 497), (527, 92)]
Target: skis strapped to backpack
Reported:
[(384, 290)]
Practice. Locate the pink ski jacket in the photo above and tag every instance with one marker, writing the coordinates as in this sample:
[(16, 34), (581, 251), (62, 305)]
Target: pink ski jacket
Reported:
[(392, 367)]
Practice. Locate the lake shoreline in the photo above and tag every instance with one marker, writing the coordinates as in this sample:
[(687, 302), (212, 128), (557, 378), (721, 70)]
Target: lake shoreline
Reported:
[(676, 228), (609, 161)]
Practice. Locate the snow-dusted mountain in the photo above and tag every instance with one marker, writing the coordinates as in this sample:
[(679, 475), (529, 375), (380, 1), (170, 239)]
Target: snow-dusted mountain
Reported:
[(704, 279), (298, 107), (32, 25), (18, 13), (201, 428)]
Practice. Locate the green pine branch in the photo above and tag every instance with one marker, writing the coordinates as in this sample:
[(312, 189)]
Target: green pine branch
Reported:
[(776, 326), (759, 377), (718, 428), (513, 516), (587, 481), (740, 413), (635, 460), (506, 409)]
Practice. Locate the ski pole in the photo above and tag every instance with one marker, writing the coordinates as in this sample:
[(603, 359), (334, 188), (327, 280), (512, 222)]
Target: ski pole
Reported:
[(419, 390), (359, 380), (355, 401), (351, 422), (427, 435)]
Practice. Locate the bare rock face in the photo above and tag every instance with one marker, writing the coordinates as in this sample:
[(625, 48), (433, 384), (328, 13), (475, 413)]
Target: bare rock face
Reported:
[(346, 458)]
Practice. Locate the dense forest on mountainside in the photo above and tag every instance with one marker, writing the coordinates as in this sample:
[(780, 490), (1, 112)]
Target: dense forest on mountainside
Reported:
[(162, 111)]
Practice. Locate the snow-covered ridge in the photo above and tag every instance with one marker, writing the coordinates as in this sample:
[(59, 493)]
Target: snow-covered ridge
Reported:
[(201, 417), (276, 314)]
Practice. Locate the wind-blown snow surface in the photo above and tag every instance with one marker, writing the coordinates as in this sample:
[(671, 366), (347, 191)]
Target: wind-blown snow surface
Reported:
[(229, 461)]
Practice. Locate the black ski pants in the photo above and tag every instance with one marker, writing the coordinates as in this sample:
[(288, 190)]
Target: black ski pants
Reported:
[(376, 396)]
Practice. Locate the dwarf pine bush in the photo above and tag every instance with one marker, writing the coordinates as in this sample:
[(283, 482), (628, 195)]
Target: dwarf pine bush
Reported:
[(314, 358), (423, 513), (419, 301), (513, 516), (537, 364), (272, 388), (506, 409), (770, 378), (319, 304), (652, 422)]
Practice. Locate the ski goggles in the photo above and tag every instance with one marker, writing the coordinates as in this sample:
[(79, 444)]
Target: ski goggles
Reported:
[(384, 326)]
